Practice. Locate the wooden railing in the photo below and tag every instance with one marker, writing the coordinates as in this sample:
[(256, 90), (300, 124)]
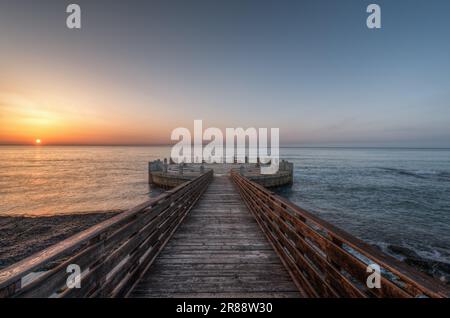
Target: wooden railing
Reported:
[(325, 261), (112, 255)]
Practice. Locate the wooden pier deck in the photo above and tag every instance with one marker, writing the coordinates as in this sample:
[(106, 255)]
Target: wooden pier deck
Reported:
[(214, 236), (218, 251)]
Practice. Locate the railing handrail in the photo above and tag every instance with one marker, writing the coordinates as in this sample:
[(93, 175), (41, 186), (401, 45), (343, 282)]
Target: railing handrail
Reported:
[(423, 283), (15, 272)]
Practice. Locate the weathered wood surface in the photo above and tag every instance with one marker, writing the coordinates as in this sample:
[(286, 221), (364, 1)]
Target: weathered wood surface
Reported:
[(218, 251), (325, 261), (111, 255)]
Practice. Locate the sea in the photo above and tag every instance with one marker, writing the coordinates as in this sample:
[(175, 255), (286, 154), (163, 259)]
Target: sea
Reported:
[(385, 196)]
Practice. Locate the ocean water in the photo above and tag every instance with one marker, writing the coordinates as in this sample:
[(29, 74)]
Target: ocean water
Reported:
[(383, 196), (57, 180)]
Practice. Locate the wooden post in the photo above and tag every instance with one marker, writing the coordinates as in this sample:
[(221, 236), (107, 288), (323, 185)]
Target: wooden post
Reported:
[(291, 172), (150, 176), (165, 165)]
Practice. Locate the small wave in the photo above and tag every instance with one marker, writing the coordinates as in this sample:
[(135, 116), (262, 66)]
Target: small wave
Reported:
[(405, 172), (443, 176), (420, 174)]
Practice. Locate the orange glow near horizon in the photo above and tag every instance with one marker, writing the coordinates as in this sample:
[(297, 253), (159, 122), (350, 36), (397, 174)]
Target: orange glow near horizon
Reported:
[(57, 121), (85, 109)]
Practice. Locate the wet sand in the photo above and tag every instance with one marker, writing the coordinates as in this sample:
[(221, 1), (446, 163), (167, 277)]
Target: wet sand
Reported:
[(22, 236)]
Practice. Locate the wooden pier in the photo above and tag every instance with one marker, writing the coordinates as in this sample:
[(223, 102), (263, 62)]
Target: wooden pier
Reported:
[(219, 251), (166, 175), (215, 236)]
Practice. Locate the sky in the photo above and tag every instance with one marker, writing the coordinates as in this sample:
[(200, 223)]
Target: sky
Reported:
[(139, 69)]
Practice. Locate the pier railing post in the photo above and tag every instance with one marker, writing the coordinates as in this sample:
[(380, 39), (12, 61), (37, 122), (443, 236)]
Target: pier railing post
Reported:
[(150, 176), (180, 168), (165, 165)]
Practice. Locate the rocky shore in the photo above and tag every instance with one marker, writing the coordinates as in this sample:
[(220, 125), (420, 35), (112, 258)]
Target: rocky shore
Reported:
[(22, 236), (436, 269)]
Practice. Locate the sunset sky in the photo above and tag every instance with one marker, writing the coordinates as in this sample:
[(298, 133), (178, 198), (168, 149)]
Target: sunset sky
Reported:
[(138, 69)]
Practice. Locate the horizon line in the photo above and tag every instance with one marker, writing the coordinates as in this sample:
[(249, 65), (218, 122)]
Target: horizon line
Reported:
[(167, 145)]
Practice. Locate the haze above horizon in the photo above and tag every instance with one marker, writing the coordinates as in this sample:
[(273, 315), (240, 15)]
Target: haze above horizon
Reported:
[(137, 70)]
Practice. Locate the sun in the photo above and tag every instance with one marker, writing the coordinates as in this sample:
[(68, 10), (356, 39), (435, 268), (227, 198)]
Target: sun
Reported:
[(38, 141)]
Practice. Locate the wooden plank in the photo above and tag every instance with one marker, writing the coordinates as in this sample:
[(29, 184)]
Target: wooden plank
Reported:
[(218, 250), (253, 294)]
